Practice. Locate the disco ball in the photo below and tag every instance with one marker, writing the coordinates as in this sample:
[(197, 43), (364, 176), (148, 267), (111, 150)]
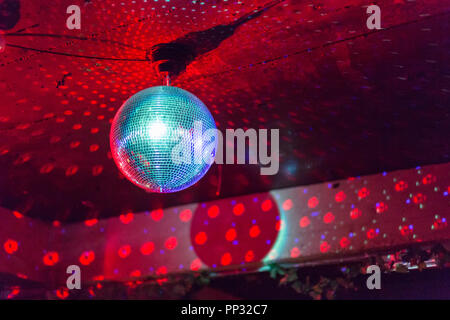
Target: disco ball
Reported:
[(149, 131)]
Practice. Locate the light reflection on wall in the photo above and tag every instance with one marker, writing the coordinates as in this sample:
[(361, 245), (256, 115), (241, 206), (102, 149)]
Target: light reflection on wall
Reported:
[(338, 218)]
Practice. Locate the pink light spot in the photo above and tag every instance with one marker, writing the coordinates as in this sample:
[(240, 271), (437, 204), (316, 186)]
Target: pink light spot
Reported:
[(313, 202), (171, 243), (124, 251), (147, 248), (266, 205), (213, 211)]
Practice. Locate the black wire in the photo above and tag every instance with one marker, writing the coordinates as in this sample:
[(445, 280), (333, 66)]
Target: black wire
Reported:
[(75, 55), (330, 43), (237, 68), (16, 34), (267, 6)]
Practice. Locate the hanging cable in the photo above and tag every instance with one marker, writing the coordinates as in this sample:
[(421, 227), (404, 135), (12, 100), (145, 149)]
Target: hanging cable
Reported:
[(75, 55), (167, 79), (64, 36)]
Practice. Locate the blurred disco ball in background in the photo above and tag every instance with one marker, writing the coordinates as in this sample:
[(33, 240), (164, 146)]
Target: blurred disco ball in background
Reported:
[(145, 131)]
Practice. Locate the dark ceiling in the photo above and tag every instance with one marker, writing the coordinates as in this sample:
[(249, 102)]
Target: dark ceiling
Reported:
[(348, 101)]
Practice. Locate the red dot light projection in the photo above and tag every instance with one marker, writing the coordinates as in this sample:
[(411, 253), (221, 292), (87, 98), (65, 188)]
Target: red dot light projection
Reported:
[(264, 229), (362, 117), (235, 233), (322, 79)]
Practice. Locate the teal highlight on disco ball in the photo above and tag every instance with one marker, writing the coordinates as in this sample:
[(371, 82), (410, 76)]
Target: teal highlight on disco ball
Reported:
[(145, 131)]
